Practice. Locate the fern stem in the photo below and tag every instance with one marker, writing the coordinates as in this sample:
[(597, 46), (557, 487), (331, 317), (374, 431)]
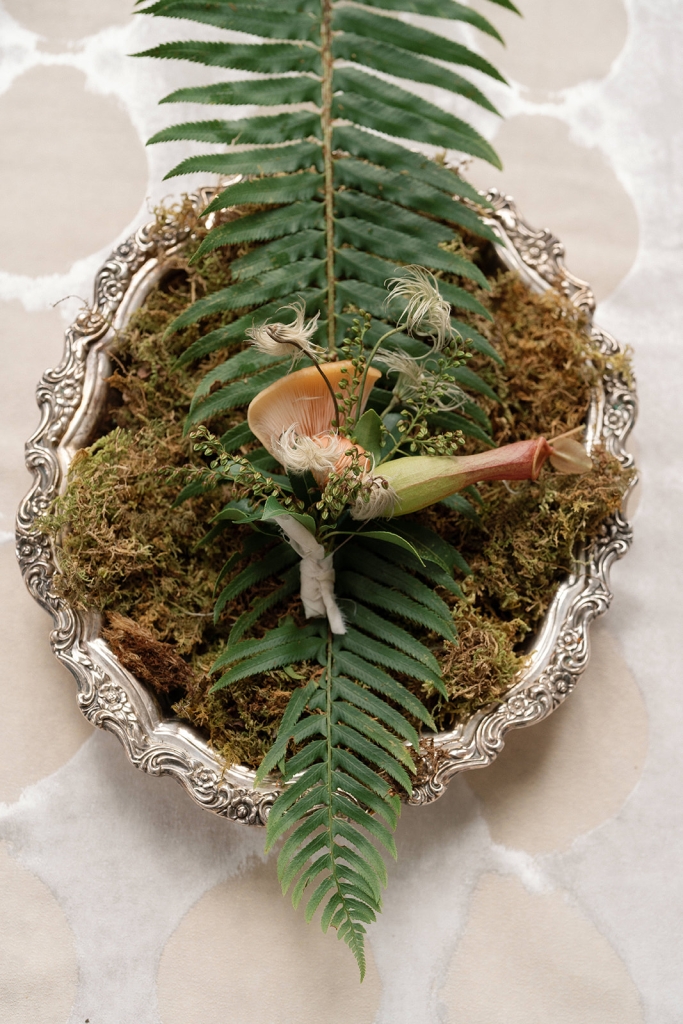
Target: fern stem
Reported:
[(327, 60), (368, 364), (358, 953)]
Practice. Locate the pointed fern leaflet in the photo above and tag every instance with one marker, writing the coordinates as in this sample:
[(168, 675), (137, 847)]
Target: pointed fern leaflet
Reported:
[(337, 194)]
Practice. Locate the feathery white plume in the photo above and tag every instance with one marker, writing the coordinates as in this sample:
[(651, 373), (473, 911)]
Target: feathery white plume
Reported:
[(376, 500), (414, 380), (407, 367), (287, 339), (319, 455), (426, 312)]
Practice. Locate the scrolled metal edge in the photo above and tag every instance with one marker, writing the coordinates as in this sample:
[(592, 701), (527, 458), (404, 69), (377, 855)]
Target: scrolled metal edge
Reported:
[(543, 253), (540, 250), (104, 701), (208, 786), (109, 705)]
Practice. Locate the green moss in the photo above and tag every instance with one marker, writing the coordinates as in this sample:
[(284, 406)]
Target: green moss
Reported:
[(124, 551)]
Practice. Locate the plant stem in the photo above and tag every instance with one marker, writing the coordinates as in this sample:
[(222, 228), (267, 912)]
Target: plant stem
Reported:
[(334, 871), (368, 364), (331, 391), (327, 61), (309, 355)]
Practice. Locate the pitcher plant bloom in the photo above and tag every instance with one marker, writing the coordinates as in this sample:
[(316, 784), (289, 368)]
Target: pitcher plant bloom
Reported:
[(422, 480)]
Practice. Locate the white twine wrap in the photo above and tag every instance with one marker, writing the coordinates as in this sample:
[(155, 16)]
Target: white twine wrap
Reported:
[(317, 574)]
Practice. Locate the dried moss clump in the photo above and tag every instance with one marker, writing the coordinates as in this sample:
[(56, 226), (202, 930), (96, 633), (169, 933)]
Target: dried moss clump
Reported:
[(124, 551)]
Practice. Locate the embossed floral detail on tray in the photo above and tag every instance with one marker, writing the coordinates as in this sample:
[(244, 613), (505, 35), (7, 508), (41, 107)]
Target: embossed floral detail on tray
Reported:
[(203, 779), (110, 698)]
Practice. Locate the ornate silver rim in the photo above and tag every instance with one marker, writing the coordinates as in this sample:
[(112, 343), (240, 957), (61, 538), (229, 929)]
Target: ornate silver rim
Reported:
[(111, 698)]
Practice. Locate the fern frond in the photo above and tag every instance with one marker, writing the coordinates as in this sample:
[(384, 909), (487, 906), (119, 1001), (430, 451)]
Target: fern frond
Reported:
[(336, 805), (247, 620), (387, 201), (342, 209), (352, 584), (379, 626), (281, 557)]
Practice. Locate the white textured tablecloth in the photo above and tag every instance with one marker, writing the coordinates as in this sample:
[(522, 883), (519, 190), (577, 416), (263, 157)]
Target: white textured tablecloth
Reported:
[(544, 890)]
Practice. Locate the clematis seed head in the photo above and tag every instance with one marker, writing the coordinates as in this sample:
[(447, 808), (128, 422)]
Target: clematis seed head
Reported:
[(320, 455), (377, 499), (277, 339), (427, 312)]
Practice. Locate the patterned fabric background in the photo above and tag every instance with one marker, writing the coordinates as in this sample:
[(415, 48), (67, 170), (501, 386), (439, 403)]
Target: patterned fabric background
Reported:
[(545, 889)]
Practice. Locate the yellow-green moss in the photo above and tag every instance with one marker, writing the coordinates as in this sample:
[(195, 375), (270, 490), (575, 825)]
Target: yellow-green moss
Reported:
[(123, 550)]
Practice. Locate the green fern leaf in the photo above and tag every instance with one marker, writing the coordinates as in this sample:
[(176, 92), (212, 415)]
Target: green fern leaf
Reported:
[(234, 395), (392, 60), (254, 543), (394, 218), (295, 156), (388, 154), (232, 334), (259, 227), (274, 128), (346, 209), (354, 585), (407, 37), (280, 282), (276, 21), (438, 9), (387, 242), (507, 4), (383, 683), (247, 648), (389, 657), (259, 607), (368, 621), (259, 92), (262, 190), (459, 503), (407, 191), (430, 545), (453, 421), (469, 379), (243, 364), (293, 653), (261, 57), (281, 557), (428, 569), (347, 690), (411, 124), (236, 437), (279, 253)]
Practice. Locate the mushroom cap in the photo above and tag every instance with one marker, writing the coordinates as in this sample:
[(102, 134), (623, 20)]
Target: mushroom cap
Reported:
[(301, 399)]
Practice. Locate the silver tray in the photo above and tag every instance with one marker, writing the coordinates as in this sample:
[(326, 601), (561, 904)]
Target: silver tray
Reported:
[(70, 397)]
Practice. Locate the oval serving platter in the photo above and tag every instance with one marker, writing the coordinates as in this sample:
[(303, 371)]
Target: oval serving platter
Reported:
[(70, 398)]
